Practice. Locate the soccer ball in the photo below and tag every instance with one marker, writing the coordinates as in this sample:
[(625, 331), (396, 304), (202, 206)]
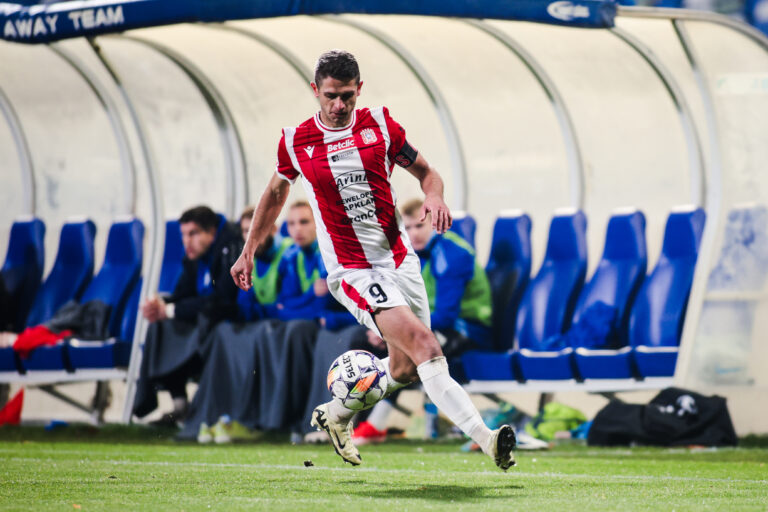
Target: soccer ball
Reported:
[(358, 379)]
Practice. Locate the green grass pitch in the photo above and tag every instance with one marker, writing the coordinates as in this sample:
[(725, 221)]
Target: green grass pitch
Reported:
[(139, 469)]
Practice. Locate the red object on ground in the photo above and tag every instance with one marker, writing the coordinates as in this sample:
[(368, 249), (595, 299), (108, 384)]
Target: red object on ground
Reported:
[(37, 336), (11, 413), (366, 433)]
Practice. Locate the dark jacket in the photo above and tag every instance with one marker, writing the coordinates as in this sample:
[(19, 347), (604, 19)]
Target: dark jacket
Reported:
[(205, 285)]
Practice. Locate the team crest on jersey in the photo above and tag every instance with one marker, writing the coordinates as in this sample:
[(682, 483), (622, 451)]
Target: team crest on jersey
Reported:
[(368, 136)]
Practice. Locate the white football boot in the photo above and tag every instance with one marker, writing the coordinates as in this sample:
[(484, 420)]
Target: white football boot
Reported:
[(501, 446), (341, 435)]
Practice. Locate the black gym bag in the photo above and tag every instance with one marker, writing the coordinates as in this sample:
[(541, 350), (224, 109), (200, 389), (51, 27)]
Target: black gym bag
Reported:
[(675, 417)]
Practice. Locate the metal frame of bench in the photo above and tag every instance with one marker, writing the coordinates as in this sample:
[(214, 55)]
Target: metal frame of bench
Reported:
[(47, 380)]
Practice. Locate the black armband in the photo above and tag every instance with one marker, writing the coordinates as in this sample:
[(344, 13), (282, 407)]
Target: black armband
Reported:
[(406, 156)]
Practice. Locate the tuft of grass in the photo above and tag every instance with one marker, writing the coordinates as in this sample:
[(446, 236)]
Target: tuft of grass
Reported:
[(118, 467)]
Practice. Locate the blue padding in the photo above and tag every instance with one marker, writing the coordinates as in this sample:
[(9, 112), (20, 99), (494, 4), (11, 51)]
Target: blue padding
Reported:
[(538, 365), (98, 354), (284, 229), (655, 361), (173, 255), (120, 271), (465, 226), (60, 20), (509, 271), (756, 13), (47, 357), (7, 359), (72, 271), (657, 317), (488, 365), (604, 364), (23, 268), (615, 283)]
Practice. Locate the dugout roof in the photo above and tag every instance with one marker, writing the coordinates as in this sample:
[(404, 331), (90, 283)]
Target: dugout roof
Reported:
[(650, 108)]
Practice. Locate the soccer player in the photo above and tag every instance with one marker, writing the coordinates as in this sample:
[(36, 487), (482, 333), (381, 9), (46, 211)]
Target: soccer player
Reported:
[(345, 157)]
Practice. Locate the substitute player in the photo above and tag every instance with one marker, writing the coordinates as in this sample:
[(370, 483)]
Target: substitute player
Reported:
[(346, 157)]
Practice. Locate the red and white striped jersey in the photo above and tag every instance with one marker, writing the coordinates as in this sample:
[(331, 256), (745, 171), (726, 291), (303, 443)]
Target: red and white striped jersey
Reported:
[(346, 175)]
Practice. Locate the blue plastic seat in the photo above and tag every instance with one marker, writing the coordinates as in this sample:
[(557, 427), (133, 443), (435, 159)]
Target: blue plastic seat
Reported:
[(112, 285), (23, 268), (656, 320), (173, 255), (614, 284), (549, 300), (113, 352), (465, 226), (509, 271), (71, 272)]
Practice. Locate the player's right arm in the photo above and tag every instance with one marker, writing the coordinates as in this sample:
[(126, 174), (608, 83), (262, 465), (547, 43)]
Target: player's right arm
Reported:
[(269, 207)]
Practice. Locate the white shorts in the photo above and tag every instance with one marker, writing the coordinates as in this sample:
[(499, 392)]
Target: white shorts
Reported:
[(364, 291)]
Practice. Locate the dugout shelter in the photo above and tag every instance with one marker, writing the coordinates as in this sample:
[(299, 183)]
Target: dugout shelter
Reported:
[(143, 108)]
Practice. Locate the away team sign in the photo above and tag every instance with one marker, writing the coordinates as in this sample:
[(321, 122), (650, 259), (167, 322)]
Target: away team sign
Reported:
[(88, 19), (47, 22)]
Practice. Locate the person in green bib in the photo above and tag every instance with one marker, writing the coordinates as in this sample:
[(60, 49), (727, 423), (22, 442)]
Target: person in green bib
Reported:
[(260, 302), (303, 292), (458, 289)]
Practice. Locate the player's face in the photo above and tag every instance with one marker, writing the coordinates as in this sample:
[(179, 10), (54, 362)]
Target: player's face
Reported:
[(196, 240), (337, 100), (419, 232), (301, 226)]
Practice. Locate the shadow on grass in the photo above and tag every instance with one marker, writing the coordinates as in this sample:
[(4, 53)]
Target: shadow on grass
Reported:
[(432, 492)]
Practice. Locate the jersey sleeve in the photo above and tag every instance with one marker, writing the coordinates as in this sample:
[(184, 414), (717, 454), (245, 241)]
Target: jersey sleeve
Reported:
[(285, 167), (397, 142)]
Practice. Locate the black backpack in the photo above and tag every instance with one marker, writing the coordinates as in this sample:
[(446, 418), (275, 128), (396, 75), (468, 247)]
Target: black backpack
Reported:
[(674, 417)]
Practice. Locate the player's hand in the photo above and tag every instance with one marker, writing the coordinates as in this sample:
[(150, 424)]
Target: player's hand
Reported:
[(441, 215), (241, 271)]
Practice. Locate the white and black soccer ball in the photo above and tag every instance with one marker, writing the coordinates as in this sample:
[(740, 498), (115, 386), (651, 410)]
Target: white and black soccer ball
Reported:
[(358, 379)]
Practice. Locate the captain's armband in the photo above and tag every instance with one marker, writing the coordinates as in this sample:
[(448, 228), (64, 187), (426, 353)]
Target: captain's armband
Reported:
[(406, 156)]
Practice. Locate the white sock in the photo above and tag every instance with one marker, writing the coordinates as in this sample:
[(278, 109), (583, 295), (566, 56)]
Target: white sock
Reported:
[(338, 412), (379, 415), (453, 401), (392, 384)]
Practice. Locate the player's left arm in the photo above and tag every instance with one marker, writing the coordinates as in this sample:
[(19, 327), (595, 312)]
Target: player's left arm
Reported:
[(432, 186)]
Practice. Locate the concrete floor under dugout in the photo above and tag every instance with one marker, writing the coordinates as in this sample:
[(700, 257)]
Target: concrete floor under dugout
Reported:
[(667, 108)]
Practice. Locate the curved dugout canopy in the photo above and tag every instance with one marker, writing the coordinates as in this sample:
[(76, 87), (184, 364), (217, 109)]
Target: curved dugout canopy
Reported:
[(656, 109)]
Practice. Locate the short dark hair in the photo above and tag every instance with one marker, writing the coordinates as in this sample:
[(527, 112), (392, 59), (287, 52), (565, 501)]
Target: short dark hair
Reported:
[(338, 64), (202, 216), (247, 213), (300, 203)]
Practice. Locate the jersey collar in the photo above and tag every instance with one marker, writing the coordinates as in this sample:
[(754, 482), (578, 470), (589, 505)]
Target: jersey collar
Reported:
[(327, 128)]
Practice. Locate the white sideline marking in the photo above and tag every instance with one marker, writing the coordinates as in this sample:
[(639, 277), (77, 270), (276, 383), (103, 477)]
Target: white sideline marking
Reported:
[(297, 467)]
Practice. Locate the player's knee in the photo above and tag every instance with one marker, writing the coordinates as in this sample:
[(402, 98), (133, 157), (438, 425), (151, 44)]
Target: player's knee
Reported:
[(427, 346)]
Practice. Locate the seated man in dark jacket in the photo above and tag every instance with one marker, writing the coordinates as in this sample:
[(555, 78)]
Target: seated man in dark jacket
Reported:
[(204, 295)]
